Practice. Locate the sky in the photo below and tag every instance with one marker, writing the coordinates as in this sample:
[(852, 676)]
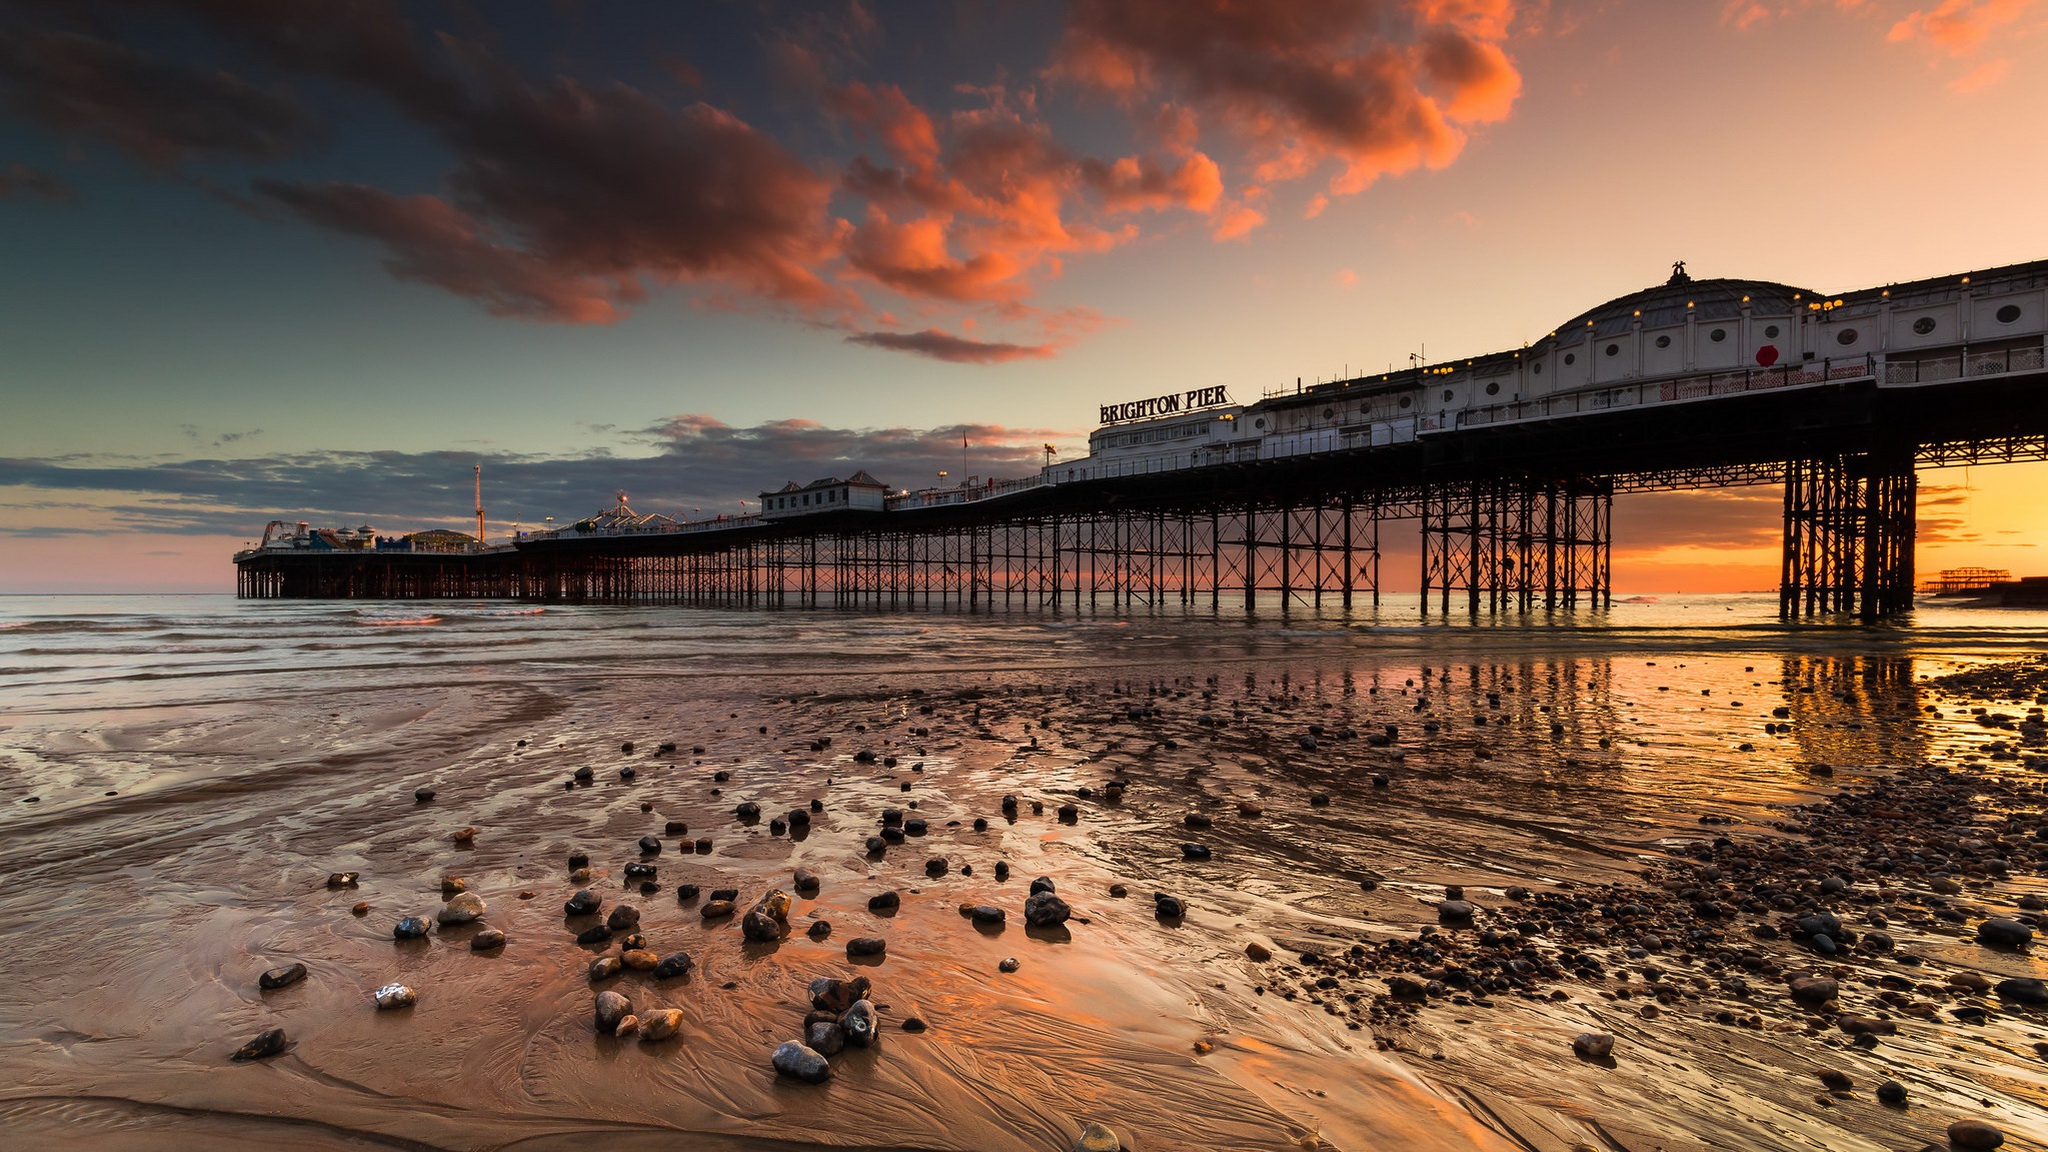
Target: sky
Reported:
[(273, 260)]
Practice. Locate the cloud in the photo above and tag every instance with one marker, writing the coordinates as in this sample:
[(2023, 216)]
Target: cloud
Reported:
[(163, 115), (1377, 88), (1731, 519), (1959, 27), (693, 461), (938, 345), (20, 180)]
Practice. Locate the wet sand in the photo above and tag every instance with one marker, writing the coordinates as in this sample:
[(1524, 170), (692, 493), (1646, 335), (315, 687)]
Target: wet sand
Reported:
[(139, 922)]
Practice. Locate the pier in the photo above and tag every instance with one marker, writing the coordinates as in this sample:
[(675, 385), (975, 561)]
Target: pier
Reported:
[(1506, 467)]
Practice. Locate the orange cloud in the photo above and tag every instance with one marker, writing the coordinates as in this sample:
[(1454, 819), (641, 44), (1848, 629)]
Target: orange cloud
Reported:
[(1959, 27), (938, 345)]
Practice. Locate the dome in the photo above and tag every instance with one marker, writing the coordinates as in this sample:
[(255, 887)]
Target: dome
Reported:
[(1665, 305)]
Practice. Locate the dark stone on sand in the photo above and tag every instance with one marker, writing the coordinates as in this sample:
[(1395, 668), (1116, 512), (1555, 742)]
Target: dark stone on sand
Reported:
[(819, 929), (717, 909), (639, 871), (1592, 1045), (703, 846), (686, 892), (291, 974), (2003, 933), (1257, 953), (673, 965), (936, 867), (596, 934), (801, 1062), (1168, 907), (981, 823), (605, 967), (583, 903), (410, 928), (1042, 884), (805, 881), (860, 1024), (987, 914), (579, 860), (866, 946), (836, 996), (1002, 870), (1974, 1136), (2024, 990), (1194, 852), (826, 1037), (1196, 820), (650, 845), (1455, 912), (341, 879), (1406, 988), (748, 811), (1892, 1093), (877, 845), (887, 901), (1044, 910), (628, 773), (1813, 990), (624, 918), (611, 1008), (585, 775), (422, 795), (732, 894), (914, 1024), (1319, 800), (487, 939), (1836, 1080), (1380, 780), (675, 828), (266, 1044)]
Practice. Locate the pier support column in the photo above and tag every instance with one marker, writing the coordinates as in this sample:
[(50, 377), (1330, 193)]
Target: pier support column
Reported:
[(1849, 526)]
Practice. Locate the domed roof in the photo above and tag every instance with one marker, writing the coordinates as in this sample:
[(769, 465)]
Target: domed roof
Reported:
[(1666, 304)]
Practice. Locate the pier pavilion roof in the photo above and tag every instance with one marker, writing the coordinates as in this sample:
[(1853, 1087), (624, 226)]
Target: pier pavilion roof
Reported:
[(1668, 303)]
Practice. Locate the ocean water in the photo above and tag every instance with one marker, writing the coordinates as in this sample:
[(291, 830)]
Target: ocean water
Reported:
[(178, 775)]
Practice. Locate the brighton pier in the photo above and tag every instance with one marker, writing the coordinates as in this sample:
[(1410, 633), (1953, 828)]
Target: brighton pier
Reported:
[(1506, 465)]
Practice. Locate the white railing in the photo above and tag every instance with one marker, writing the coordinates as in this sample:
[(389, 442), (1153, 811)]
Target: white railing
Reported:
[(973, 494), (1963, 364)]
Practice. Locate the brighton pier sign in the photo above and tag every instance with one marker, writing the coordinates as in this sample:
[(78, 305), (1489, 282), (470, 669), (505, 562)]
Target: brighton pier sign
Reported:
[(1166, 405)]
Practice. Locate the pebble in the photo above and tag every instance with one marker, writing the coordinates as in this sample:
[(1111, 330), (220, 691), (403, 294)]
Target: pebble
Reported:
[(819, 929), (836, 996), (1813, 990), (1008, 964), (410, 928), (1257, 953), (1893, 1093), (866, 946), (661, 1024), (640, 960), (714, 909), (673, 965), (487, 939), (1094, 1137), (1045, 910), (1975, 1135), (463, 908), (2024, 990), (341, 879), (611, 1008), (887, 901), (266, 1044), (2004, 934), (595, 934), (650, 845), (987, 914), (860, 1024), (395, 996), (1593, 1045), (800, 1061), (768, 920), (826, 1037), (282, 977), (583, 903), (605, 967), (1194, 852), (1836, 1080)]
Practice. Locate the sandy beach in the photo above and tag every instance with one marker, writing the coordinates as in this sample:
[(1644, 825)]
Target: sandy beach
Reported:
[(1401, 880)]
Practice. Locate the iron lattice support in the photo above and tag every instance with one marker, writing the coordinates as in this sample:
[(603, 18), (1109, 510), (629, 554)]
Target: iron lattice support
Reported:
[(1517, 544), (1849, 525)]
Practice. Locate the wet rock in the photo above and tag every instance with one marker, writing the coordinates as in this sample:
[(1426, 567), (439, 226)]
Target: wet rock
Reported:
[(1008, 964), (1892, 1093), (410, 928), (1455, 912), (801, 1062), (1836, 1080), (748, 811), (768, 920), (1167, 907), (717, 909), (1593, 1045), (486, 939), (826, 1036), (1974, 1136), (1194, 852), (395, 996), (1042, 884), (639, 959), (914, 1024), (1196, 820), (866, 946), (988, 915), (728, 894), (860, 1024), (1813, 990), (422, 795), (583, 903), (606, 967), (265, 1044), (596, 934), (1044, 910), (610, 1008), (661, 1024), (291, 974), (805, 882), (2004, 934), (673, 965), (341, 879), (819, 929), (886, 902), (836, 996), (1094, 1137), (465, 835), (463, 908), (639, 871), (1257, 953), (936, 867), (650, 845), (2024, 990)]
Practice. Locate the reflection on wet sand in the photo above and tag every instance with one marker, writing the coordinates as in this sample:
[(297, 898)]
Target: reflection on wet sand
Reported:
[(1625, 825)]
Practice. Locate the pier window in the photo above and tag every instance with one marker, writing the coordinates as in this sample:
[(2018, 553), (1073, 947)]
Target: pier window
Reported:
[(1771, 332), (1923, 326), (1613, 349), (2008, 314), (1718, 335), (1846, 336), (1663, 341), (1493, 388), (1571, 358)]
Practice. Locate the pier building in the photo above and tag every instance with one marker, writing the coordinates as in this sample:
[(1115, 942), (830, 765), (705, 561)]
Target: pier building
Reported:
[(1506, 464)]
